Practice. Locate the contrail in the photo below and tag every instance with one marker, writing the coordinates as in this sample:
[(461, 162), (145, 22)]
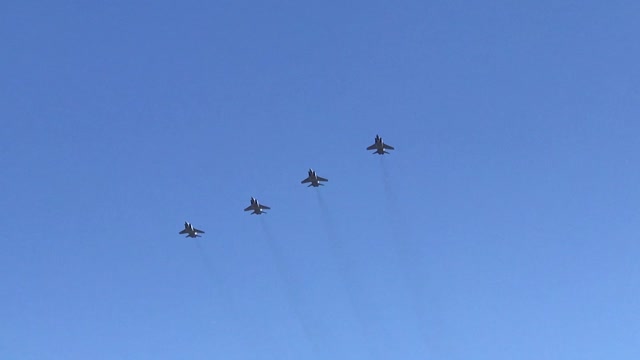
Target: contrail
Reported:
[(351, 285), (205, 258), (326, 217), (219, 289), (405, 255), (212, 272), (388, 191), (292, 294)]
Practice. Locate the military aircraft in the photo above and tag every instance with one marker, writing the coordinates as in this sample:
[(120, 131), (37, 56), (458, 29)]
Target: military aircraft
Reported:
[(256, 207), (313, 179), (191, 231), (380, 147)]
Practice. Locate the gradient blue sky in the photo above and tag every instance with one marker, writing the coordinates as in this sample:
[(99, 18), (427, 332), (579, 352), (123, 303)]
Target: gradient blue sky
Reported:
[(504, 226)]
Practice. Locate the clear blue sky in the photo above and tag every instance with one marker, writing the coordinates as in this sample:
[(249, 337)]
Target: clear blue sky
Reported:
[(504, 225)]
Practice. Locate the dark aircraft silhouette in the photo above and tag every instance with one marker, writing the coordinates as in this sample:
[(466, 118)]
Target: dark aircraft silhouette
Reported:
[(313, 179), (380, 147), (191, 231), (256, 207)]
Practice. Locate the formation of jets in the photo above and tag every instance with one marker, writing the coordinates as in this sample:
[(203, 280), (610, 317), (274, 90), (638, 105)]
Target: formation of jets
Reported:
[(312, 179)]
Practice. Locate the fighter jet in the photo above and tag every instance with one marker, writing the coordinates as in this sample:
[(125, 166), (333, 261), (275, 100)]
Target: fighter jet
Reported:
[(380, 147), (256, 207), (191, 231), (313, 179)]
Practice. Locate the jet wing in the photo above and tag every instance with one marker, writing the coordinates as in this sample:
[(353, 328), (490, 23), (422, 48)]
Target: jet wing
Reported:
[(388, 147), (183, 231), (248, 208), (198, 231), (372, 147), (265, 207), (322, 179), (306, 180)]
